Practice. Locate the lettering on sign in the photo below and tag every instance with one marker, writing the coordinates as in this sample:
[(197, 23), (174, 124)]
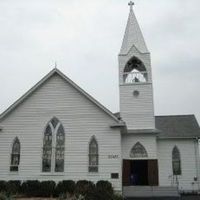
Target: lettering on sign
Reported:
[(113, 156)]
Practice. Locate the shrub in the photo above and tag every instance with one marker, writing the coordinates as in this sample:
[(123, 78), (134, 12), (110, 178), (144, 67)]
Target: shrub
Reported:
[(84, 187), (70, 186), (31, 188), (67, 186), (47, 188), (104, 186), (2, 186), (13, 187)]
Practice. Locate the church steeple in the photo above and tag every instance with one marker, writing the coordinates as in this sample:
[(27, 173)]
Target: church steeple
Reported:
[(135, 79), (133, 35)]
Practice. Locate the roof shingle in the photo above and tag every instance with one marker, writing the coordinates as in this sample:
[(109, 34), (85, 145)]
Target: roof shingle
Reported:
[(177, 126)]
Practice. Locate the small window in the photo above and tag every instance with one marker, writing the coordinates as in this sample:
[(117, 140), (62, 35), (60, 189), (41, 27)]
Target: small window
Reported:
[(15, 156), (136, 93), (114, 175), (93, 155), (176, 161)]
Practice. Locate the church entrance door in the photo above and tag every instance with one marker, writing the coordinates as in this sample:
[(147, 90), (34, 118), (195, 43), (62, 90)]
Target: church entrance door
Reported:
[(140, 172)]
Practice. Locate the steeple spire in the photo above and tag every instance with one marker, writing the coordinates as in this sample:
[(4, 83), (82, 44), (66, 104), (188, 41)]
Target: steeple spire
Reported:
[(133, 35)]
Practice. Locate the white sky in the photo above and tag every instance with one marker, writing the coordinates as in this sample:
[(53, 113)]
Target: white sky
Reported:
[(84, 38)]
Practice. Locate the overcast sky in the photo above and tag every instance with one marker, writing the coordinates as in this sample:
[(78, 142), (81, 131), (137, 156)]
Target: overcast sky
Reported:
[(84, 38)]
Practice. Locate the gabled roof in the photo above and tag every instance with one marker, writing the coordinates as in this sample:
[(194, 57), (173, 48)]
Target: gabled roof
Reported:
[(50, 74), (133, 36), (177, 126)]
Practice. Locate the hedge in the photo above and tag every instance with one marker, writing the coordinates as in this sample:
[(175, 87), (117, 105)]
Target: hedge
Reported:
[(34, 188)]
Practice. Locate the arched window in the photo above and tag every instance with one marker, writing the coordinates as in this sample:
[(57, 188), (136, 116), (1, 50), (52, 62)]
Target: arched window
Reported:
[(53, 147), (93, 155), (134, 71), (176, 161), (15, 156), (138, 151)]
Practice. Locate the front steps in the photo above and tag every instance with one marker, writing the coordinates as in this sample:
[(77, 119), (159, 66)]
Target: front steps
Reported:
[(150, 193)]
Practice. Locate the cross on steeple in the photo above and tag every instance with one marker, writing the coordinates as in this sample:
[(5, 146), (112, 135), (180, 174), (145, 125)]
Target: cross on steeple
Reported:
[(131, 4), (133, 34)]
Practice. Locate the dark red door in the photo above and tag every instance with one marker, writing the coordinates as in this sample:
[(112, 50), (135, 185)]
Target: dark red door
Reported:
[(153, 172), (126, 172)]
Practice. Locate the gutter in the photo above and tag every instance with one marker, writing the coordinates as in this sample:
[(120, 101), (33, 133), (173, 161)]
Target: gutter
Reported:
[(143, 131), (118, 125), (192, 137)]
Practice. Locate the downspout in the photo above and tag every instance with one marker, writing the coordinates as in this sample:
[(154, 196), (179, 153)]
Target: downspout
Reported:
[(196, 147)]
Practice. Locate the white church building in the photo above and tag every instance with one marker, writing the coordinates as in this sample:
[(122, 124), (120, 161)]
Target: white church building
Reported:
[(57, 131)]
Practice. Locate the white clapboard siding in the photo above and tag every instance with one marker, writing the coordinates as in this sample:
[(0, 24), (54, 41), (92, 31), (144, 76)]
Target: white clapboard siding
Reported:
[(188, 163), (149, 143), (81, 120), (137, 111)]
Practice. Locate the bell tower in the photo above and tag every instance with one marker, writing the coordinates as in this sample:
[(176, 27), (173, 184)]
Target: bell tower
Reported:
[(135, 78)]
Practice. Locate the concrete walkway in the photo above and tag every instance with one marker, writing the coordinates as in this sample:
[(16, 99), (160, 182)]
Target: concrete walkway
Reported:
[(151, 192), (195, 197)]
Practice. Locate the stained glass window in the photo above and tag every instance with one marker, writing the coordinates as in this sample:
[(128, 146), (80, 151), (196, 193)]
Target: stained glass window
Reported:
[(59, 154), (138, 151), (176, 161), (15, 156), (47, 149), (93, 155), (53, 147)]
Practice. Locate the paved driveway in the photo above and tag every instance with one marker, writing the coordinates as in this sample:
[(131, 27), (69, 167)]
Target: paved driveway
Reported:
[(167, 198), (190, 198)]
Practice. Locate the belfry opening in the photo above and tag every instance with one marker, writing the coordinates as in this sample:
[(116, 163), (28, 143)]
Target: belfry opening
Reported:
[(135, 71)]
